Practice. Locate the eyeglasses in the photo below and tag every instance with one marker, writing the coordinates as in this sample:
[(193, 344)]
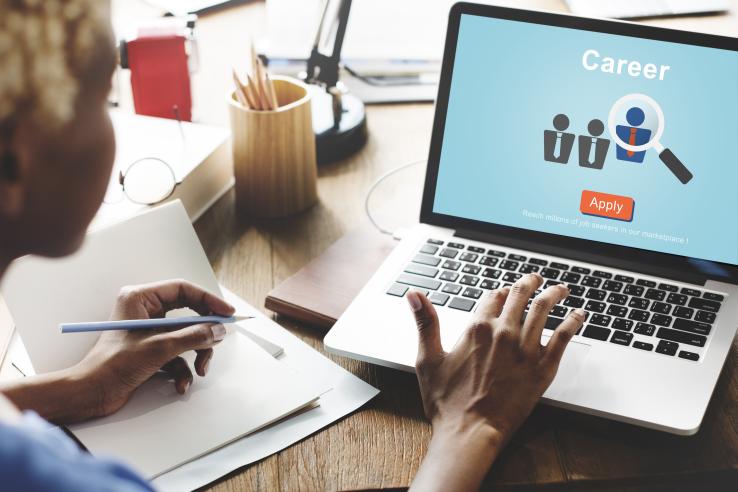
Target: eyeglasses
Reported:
[(147, 181)]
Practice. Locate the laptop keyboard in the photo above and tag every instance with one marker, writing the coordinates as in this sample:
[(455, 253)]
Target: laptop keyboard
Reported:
[(625, 310)]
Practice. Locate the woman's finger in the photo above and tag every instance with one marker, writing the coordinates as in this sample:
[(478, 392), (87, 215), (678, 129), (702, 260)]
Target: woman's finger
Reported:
[(490, 305), (178, 369), (538, 313), (562, 334), (161, 297), (202, 361), (195, 337), (517, 299)]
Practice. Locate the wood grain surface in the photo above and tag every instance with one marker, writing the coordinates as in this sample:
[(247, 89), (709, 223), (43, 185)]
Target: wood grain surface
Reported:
[(381, 445)]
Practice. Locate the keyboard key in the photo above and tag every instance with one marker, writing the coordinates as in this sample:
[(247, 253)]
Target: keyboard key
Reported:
[(612, 286), (538, 261), (690, 292), (638, 315), (618, 299), (661, 320), (469, 280), (461, 304), (451, 265), (397, 290), (705, 317), (596, 332), (660, 307), (692, 326), (713, 297), (570, 277), (516, 257), (621, 337), (449, 252), (425, 292), (591, 281), (509, 265), (491, 273), (601, 274), (511, 277), (559, 311), (645, 329), (426, 260), (600, 319), (624, 278), (423, 270), (638, 303), (595, 307), (493, 252), (451, 289), (439, 299), (678, 299), (705, 305), (617, 311), (576, 290), (684, 312), (622, 324), (473, 269), (429, 249), (643, 345), (489, 284), (574, 302), (470, 257), (655, 295), (527, 268), (449, 276), (475, 249), (552, 323), (634, 290), (472, 293), (456, 245), (550, 273), (681, 337), (667, 348), (437, 242), (669, 287), (488, 261), (550, 283), (582, 270), (559, 266), (688, 355), (597, 295), (416, 281), (646, 283)]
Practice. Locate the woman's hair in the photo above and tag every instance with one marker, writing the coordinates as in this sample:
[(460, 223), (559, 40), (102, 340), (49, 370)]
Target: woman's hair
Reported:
[(45, 45)]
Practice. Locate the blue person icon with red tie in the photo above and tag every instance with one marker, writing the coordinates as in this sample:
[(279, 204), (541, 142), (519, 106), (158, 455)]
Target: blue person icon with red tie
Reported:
[(632, 135)]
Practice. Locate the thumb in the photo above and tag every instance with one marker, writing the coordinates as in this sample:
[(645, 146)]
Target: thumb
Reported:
[(429, 329)]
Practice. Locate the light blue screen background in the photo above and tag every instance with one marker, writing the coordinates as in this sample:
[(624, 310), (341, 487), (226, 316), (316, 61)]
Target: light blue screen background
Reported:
[(511, 78)]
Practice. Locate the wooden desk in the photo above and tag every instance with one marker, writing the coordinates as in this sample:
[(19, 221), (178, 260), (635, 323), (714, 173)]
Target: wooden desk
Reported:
[(382, 445)]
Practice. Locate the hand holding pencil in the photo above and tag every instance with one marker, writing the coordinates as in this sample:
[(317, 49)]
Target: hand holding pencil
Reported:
[(258, 92)]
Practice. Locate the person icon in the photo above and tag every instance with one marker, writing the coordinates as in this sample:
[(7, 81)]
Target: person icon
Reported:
[(632, 135), (557, 145), (592, 149)]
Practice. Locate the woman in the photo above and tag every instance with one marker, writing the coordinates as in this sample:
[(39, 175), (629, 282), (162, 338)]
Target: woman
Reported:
[(56, 156)]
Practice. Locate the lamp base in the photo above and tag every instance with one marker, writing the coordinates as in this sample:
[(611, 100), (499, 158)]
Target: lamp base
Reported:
[(336, 142)]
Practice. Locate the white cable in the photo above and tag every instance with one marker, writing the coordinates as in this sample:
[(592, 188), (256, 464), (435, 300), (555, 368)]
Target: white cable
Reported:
[(377, 183)]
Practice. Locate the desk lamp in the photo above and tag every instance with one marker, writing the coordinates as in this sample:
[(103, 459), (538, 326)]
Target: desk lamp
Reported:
[(339, 119)]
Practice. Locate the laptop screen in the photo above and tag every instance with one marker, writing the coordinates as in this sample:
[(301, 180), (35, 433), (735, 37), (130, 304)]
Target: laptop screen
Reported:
[(611, 138)]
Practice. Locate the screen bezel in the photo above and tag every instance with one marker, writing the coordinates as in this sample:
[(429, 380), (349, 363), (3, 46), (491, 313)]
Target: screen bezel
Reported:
[(650, 261)]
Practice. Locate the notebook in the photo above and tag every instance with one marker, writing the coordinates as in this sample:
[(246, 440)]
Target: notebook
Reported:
[(158, 430)]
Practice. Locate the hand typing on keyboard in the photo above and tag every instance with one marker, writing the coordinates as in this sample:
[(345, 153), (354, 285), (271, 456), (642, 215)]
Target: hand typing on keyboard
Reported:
[(477, 395)]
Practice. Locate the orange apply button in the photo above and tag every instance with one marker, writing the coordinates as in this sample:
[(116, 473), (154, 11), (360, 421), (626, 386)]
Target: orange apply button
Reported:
[(606, 205)]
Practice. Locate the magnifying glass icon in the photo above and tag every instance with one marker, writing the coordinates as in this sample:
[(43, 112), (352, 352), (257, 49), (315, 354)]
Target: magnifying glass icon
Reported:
[(667, 156)]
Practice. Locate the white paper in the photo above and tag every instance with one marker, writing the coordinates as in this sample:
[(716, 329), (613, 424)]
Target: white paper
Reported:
[(348, 394)]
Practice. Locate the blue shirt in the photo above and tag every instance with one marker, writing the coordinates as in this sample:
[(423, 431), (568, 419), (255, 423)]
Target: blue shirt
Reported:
[(36, 456)]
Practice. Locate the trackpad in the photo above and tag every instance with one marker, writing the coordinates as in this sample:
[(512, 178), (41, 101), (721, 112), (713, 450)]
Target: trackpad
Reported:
[(569, 367)]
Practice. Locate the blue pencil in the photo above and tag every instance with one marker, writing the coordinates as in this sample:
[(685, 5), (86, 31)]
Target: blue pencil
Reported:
[(148, 324)]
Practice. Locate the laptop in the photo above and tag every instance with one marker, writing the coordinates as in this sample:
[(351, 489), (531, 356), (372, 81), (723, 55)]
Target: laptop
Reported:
[(600, 154), (639, 9)]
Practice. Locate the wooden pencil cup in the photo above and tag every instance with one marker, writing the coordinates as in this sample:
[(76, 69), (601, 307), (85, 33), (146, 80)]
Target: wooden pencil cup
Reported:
[(274, 153)]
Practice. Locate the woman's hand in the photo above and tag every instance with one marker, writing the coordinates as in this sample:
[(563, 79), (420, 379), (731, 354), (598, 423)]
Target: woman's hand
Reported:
[(478, 395), (121, 361)]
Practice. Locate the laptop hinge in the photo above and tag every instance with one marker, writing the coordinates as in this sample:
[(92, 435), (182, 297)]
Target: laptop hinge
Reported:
[(623, 263)]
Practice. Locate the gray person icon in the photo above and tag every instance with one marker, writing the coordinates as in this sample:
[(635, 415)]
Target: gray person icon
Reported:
[(557, 144), (592, 149)]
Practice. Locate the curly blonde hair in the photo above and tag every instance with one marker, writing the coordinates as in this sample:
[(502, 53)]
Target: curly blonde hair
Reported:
[(44, 45)]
